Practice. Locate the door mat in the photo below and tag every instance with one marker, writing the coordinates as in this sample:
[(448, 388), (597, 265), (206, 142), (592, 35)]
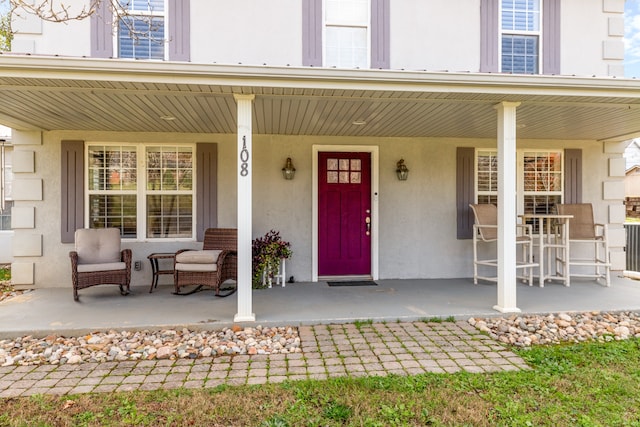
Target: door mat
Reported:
[(354, 283)]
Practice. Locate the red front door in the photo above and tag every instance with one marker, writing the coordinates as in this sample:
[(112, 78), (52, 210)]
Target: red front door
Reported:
[(344, 214)]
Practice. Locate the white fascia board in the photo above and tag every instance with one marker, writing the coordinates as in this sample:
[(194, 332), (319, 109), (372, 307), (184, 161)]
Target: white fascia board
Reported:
[(314, 78)]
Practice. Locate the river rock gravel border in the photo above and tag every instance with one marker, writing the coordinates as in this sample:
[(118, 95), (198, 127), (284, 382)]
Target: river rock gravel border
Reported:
[(171, 344), (528, 330)]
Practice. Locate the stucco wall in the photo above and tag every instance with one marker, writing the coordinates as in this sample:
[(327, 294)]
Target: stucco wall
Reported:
[(435, 35), (6, 243), (584, 32), (417, 221), (247, 32), (70, 38)]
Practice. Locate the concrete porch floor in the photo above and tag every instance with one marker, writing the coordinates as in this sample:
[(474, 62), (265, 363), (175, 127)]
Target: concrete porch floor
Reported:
[(53, 310)]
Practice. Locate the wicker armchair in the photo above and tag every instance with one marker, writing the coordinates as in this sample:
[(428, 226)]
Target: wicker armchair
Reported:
[(216, 263), (98, 260)]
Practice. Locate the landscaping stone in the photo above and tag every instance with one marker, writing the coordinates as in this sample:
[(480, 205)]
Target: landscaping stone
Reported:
[(524, 331), (169, 344)]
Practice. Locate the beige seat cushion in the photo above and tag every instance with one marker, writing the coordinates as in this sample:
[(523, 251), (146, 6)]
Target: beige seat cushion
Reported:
[(107, 266), (198, 257), (197, 267)]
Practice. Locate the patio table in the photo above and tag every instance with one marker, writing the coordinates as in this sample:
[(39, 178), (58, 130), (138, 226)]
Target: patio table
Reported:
[(155, 269), (553, 235)]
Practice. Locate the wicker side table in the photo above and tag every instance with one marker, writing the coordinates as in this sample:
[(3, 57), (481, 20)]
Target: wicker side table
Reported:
[(155, 269)]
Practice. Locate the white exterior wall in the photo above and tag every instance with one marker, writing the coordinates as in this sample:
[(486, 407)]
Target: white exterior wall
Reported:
[(421, 39), (37, 37), (251, 32), (256, 32), (417, 221), (586, 28)]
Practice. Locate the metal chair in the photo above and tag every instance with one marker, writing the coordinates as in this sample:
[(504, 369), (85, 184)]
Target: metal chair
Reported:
[(485, 230), (583, 231)]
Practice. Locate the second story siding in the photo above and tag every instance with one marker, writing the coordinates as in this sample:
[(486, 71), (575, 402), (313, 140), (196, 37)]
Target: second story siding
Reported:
[(584, 40)]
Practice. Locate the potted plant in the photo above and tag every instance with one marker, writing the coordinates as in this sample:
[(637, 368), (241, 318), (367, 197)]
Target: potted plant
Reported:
[(268, 252)]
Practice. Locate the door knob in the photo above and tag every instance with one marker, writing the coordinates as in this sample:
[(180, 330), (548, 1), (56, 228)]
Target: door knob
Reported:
[(367, 221)]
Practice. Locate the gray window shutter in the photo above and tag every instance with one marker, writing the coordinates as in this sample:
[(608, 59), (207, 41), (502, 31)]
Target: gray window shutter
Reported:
[(102, 31), (551, 36), (465, 191), (312, 33), (71, 189), (573, 175), (206, 187), (489, 35), (179, 27), (380, 38)]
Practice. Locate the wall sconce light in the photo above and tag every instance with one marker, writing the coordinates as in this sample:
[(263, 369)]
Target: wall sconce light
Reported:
[(401, 170), (288, 171)]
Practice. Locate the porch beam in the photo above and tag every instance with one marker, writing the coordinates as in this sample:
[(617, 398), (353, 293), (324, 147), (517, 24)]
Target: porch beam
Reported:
[(507, 276), (245, 218)]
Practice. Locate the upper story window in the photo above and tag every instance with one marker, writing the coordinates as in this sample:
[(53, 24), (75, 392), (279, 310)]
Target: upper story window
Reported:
[(520, 36), (346, 33), (141, 29)]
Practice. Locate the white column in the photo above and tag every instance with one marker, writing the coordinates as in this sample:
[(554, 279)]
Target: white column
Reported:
[(507, 207), (245, 220)]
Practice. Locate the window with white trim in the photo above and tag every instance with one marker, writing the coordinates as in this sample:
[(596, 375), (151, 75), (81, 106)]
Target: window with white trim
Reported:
[(539, 179), (141, 29), (487, 177), (346, 33), (146, 191), (520, 36), (169, 191), (5, 189)]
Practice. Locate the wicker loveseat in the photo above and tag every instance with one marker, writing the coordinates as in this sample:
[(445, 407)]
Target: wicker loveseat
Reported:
[(98, 260), (210, 267)]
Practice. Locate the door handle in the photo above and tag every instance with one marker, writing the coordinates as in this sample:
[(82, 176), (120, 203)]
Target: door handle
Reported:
[(367, 222)]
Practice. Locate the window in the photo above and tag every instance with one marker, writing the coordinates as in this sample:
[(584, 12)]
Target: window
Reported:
[(169, 191), (141, 31), (113, 188), (520, 36), (540, 178), (148, 195), (5, 216), (487, 177), (6, 176), (344, 171), (542, 181), (346, 33)]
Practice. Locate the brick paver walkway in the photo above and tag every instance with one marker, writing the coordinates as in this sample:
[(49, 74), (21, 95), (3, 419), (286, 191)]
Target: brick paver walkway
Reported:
[(328, 351)]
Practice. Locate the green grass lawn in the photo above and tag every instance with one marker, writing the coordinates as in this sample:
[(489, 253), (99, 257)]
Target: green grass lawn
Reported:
[(589, 384), (5, 274)]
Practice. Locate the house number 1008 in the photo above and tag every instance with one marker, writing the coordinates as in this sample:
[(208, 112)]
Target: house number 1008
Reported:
[(244, 158)]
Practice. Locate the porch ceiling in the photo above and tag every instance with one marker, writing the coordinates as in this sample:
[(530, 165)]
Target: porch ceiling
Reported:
[(110, 95)]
